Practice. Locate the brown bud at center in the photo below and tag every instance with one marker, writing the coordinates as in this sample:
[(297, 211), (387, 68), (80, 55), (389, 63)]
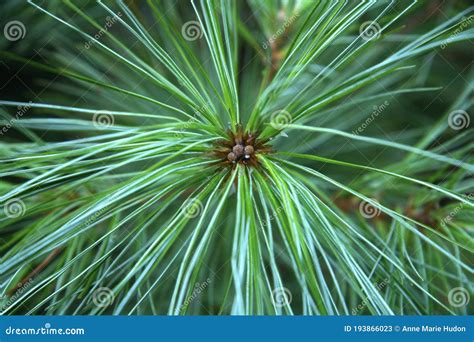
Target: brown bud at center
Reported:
[(231, 156), (249, 149), (238, 150)]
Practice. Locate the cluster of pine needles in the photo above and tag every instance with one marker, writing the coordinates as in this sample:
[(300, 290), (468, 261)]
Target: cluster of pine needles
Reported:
[(236, 157)]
